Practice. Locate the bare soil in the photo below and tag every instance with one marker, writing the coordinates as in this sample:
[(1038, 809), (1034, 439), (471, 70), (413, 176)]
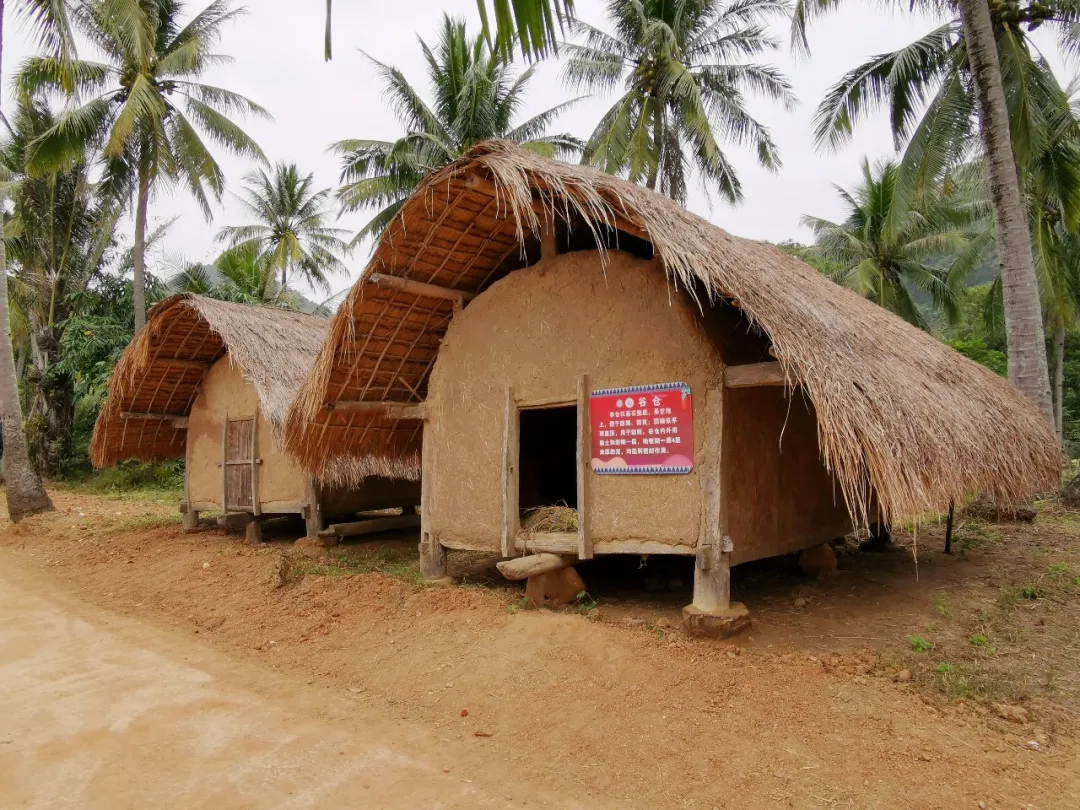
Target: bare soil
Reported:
[(606, 704)]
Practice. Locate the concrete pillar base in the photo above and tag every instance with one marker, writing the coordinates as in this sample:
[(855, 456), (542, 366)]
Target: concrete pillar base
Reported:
[(716, 623)]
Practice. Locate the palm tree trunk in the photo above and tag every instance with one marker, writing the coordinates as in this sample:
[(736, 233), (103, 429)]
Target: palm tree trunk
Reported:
[(1059, 378), (1023, 318), (658, 145), (25, 494), (139, 252)]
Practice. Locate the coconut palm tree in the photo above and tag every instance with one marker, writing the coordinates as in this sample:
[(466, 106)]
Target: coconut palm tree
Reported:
[(290, 226), (530, 23), (476, 97), (144, 107), (242, 274), (684, 69), (56, 241), (995, 63), (896, 260), (25, 494)]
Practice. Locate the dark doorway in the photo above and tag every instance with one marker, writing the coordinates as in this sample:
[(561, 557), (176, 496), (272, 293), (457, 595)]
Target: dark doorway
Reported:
[(547, 466)]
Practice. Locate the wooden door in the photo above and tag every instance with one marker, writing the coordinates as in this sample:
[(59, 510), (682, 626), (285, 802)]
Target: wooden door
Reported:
[(240, 465)]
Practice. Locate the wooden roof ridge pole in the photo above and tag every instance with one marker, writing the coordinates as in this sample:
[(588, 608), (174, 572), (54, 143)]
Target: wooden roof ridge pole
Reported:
[(751, 375), (395, 410), (179, 420), (421, 288)]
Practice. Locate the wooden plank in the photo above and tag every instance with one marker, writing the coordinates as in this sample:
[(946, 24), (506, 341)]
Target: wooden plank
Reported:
[(584, 471), (565, 543), (312, 511), (371, 526), (255, 461), (547, 402), (178, 420), (284, 507), (391, 410), (511, 453), (458, 297), (224, 460), (712, 579), (754, 374), (532, 565)]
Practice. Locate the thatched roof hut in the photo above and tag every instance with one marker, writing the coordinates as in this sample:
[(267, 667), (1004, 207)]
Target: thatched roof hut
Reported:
[(899, 414), (201, 367)]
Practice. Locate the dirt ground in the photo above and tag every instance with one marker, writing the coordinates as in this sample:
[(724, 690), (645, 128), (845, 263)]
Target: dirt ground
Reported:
[(246, 688)]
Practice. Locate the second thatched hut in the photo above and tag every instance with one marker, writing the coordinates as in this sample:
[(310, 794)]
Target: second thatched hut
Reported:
[(211, 382)]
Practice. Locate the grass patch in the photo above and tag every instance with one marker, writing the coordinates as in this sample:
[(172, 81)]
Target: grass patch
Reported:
[(920, 644), (132, 481), (400, 563)]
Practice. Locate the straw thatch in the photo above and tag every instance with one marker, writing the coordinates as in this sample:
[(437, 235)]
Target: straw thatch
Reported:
[(900, 415), (161, 370)]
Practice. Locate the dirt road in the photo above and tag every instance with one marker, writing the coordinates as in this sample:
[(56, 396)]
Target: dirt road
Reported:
[(145, 667), (100, 711)]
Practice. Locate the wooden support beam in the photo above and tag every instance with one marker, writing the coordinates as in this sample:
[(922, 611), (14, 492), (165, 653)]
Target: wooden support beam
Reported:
[(754, 374), (458, 297), (179, 420), (179, 362), (371, 526), (584, 469), (511, 453), (531, 566), (392, 410)]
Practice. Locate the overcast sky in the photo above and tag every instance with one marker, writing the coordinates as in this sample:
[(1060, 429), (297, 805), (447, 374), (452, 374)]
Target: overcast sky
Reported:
[(278, 63)]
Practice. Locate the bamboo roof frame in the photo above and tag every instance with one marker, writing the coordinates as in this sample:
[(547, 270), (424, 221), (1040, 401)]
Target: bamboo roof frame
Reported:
[(159, 375)]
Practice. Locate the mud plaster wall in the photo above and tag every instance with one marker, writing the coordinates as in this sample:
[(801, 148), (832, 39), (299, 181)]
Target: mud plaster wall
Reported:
[(539, 330), (224, 389), (779, 496)]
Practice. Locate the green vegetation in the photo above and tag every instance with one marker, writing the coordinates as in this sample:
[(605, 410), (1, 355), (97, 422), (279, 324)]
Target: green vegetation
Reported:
[(399, 562), (920, 644)]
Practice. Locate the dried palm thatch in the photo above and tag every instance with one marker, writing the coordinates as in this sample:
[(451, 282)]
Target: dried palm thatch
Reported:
[(900, 415), (159, 374)]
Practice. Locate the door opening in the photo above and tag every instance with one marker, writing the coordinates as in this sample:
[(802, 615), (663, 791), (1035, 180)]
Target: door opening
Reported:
[(547, 464)]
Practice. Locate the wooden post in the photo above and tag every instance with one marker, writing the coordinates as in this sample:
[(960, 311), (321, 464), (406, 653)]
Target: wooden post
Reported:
[(511, 453), (253, 532), (190, 518), (584, 469), (432, 552), (313, 510), (712, 612), (224, 463), (948, 528), (255, 461)]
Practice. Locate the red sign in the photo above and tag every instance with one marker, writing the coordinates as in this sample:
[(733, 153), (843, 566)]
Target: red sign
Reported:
[(642, 430)]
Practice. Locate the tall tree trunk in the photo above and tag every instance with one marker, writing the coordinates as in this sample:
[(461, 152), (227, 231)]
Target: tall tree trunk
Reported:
[(1059, 378), (139, 251), (25, 494), (658, 145), (1023, 318)]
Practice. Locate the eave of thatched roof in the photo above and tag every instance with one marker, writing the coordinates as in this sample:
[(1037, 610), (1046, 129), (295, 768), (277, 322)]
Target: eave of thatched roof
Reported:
[(899, 414), (162, 369)]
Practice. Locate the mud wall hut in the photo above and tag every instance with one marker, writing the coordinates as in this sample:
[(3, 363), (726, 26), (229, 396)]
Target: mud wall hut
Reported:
[(211, 382), (547, 334)]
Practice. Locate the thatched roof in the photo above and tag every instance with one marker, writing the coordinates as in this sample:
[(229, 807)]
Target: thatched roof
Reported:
[(161, 370), (899, 413)]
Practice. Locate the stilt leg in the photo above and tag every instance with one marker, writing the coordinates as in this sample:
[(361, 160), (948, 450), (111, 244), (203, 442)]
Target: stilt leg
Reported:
[(253, 532), (712, 613), (948, 528), (191, 520), (312, 521), (433, 560)]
